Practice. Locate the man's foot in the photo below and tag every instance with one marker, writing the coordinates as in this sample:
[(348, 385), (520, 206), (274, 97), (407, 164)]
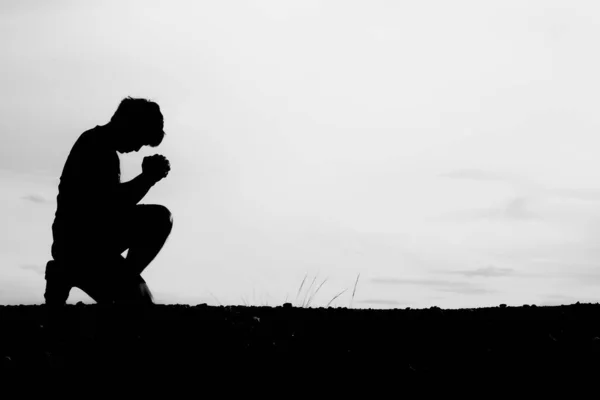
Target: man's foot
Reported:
[(57, 284), (145, 294)]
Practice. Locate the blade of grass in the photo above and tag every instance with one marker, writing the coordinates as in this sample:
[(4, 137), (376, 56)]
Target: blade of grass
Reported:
[(336, 296), (215, 298), (308, 290), (317, 291), (354, 291), (301, 285)]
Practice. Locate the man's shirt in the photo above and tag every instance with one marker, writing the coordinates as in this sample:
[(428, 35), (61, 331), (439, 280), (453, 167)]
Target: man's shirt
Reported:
[(87, 207)]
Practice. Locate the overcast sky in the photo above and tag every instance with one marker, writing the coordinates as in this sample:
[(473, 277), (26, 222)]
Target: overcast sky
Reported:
[(445, 151)]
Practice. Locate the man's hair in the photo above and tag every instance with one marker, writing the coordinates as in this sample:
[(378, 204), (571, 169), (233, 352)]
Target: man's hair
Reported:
[(143, 116)]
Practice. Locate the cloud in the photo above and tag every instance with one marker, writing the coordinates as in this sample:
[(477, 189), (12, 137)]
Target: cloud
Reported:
[(34, 268), (585, 278), (474, 174), (517, 209), (592, 195), (487, 272), (440, 285), (381, 302), (36, 198), (559, 299), (521, 206), (526, 187)]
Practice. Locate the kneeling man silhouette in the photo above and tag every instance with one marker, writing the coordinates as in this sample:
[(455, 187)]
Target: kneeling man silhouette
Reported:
[(98, 217)]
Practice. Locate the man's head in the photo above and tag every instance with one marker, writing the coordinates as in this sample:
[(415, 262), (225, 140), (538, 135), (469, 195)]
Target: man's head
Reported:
[(137, 123)]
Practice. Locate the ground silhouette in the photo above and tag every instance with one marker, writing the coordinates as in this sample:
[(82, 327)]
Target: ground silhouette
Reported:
[(488, 343)]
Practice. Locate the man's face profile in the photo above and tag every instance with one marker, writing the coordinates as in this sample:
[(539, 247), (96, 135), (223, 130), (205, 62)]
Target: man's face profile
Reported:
[(129, 142), (133, 140)]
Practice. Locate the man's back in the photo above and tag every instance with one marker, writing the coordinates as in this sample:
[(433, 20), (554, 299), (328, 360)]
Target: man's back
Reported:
[(84, 203)]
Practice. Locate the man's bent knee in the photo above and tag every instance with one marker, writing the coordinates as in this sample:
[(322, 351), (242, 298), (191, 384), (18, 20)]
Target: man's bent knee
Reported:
[(158, 216), (164, 217)]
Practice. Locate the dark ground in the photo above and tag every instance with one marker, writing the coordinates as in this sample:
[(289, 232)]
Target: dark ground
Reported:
[(499, 341)]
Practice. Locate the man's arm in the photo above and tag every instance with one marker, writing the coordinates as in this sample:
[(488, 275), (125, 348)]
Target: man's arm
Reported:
[(132, 192), (154, 168)]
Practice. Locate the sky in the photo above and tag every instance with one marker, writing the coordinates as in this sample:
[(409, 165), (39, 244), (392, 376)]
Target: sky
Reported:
[(403, 154)]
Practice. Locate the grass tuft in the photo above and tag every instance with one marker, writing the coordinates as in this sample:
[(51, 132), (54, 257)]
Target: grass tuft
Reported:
[(217, 300), (315, 293), (336, 296), (354, 291), (308, 297), (308, 290), (301, 285)]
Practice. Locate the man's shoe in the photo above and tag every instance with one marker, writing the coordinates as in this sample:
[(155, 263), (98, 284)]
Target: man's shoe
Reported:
[(57, 284)]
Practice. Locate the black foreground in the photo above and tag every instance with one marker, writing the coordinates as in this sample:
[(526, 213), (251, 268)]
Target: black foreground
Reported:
[(499, 341)]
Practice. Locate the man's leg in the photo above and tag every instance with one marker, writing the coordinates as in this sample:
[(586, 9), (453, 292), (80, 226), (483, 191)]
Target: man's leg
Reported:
[(142, 232), (112, 282), (57, 284), (108, 277), (147, 230)]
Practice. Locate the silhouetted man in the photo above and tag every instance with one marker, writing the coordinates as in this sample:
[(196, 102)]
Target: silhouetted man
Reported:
[(98, 217)]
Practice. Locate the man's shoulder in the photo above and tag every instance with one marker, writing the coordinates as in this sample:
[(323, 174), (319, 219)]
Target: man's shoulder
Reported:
[(91, 141), (90, 154), (90, 135)]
